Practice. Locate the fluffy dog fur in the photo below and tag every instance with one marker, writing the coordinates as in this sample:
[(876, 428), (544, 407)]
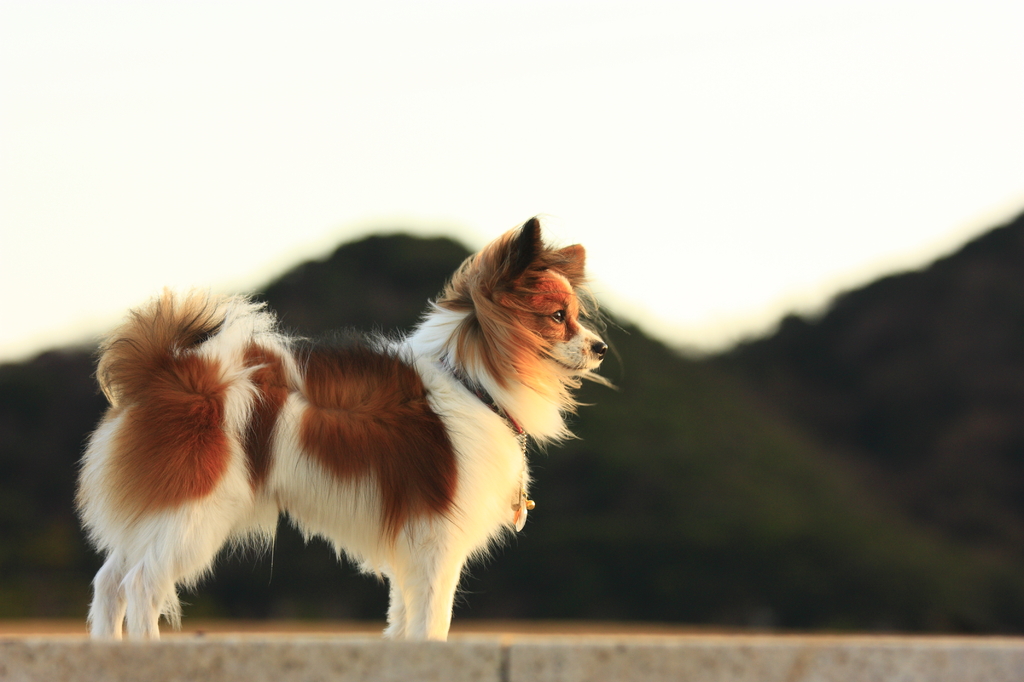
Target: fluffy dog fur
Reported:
[(407, 455)]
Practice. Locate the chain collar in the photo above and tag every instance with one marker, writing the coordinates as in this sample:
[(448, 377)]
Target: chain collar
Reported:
[(481, 393)]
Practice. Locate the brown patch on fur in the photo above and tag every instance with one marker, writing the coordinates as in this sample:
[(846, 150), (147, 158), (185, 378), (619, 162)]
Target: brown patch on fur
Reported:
[(172, 447), (368, 415), (271, 392), (549, 295)]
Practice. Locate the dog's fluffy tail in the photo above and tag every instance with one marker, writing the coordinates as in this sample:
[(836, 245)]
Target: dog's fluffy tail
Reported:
[(147, 347)]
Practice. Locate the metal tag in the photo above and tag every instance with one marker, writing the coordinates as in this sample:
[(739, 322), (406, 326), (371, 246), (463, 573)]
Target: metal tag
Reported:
[(520, 507)]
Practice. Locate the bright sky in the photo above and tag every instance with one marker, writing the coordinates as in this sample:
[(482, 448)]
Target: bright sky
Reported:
[(723, 162)]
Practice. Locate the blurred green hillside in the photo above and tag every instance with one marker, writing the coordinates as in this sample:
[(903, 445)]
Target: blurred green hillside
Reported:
[(705, 491)]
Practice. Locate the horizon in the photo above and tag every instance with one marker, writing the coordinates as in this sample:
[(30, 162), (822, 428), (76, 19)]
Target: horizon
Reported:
[(85, 338)]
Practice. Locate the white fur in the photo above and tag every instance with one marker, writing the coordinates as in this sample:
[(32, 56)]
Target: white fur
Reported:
[(148, 556)]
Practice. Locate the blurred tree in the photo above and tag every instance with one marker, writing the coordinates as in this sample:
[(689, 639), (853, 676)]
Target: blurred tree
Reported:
[(920, 376)]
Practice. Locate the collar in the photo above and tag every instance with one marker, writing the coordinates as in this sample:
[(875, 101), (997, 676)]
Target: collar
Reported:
[(481, 393)]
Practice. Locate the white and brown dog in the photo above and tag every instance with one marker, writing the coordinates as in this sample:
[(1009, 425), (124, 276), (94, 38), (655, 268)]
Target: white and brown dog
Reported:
[(408, 455)]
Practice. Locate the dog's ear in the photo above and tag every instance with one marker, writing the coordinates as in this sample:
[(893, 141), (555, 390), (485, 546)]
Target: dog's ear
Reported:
[(571, 262), (524, 249)]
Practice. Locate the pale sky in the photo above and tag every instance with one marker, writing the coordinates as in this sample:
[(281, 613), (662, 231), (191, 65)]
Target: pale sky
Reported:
[(724, 163)]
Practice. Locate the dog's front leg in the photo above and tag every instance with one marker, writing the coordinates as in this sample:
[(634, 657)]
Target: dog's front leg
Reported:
[(429, 591), (396, 628)]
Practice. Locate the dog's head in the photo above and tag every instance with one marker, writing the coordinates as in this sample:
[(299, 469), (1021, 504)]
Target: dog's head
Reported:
[(525, 304)]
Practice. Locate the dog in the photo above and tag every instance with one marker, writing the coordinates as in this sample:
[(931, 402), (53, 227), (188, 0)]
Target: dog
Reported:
[(407, 454)]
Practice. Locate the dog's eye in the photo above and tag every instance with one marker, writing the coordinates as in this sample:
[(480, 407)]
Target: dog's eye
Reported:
[(559, 317)]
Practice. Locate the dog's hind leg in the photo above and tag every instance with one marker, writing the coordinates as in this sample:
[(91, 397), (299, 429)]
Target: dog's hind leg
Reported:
[(106, 613), (148, 587), (151, 588), (181, 548)]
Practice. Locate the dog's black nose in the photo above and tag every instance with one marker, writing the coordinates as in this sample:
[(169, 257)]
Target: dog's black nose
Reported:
[(599, 348)]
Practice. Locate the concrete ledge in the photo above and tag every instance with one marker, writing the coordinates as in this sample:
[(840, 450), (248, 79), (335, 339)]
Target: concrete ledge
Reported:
[(282, 658), (771, 659), (248, 659)]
